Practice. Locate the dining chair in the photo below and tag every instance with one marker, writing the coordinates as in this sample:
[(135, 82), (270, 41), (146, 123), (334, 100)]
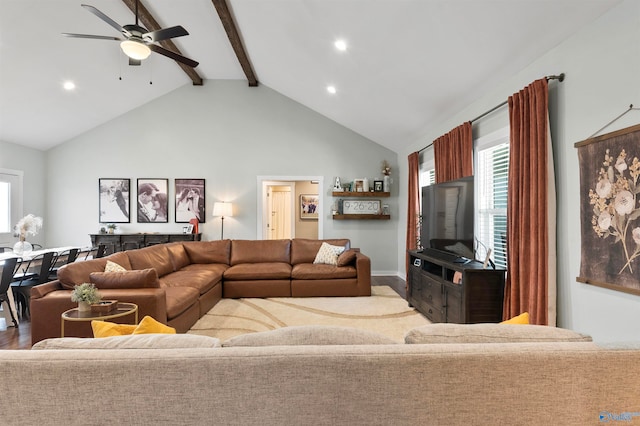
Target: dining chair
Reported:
[(33, 272), (62, 258), (9, 268), (102, 251), (6, 249)]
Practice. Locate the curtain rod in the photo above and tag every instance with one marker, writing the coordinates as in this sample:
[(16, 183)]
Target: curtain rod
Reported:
[(559, 77)]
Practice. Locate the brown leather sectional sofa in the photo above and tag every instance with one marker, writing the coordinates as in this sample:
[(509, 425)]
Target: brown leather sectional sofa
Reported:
[(177, 283)]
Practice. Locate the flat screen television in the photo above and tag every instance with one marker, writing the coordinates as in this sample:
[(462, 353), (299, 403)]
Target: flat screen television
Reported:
[(448, 216)]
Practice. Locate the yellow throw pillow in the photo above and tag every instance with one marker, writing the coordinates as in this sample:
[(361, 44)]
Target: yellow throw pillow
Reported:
[(148, 325), (113, 267), (520, 319), (109, 329)]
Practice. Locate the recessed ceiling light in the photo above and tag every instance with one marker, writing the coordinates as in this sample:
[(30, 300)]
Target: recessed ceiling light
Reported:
[(341, 45), (69, 85), (331, 89)]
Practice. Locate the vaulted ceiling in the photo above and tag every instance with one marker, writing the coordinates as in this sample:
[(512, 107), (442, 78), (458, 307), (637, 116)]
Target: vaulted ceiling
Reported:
[(408, 63)]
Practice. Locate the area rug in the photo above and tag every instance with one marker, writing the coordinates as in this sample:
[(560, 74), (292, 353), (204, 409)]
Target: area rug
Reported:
[(384, 312)]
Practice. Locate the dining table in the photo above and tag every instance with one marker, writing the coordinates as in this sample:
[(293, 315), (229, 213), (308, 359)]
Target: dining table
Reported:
[(26, 257)]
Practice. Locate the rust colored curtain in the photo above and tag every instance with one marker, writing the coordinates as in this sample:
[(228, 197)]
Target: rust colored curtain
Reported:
[(530, 285), (413, 208), (453, 153)]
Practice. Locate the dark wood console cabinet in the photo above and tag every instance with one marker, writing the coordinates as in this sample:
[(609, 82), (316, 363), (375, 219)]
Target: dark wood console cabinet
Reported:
[(120, 242), (431, 290)]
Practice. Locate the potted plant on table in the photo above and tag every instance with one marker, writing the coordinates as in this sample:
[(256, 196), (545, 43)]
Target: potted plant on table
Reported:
[(85, 294)]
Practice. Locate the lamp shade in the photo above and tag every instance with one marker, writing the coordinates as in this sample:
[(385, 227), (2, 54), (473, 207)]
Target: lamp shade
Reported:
[(135, 50), (223, 209)]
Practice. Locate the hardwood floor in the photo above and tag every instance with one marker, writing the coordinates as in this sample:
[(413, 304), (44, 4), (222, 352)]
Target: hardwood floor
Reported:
[(20, 338)]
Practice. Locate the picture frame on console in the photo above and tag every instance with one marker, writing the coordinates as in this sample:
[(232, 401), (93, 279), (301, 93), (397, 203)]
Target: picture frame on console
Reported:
[(190, 200), (309, 206), (114, 200), (377, 185), (152, 202)]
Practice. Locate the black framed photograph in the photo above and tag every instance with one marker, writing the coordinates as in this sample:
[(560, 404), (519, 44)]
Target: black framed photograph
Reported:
[(309, 206), (152, 201), (114, 200), (377, 186), (190, 200)]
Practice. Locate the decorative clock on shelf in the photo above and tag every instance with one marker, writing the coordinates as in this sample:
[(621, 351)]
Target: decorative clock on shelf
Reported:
[(361, 207)]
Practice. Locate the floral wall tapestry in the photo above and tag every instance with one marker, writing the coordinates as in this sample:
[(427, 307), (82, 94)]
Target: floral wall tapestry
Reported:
[(610, 210)]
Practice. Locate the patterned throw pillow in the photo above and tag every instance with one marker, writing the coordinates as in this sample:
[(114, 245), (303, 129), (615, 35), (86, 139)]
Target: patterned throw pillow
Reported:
[(328, 254), (113, 267)]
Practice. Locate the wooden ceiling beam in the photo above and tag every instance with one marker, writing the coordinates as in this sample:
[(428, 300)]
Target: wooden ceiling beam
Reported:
[(236, 41), (149, 22)]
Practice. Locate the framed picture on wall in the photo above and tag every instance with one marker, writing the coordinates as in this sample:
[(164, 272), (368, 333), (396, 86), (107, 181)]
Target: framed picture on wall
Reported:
[(190, 200), (152, 202), (309, 206), (114, 200)]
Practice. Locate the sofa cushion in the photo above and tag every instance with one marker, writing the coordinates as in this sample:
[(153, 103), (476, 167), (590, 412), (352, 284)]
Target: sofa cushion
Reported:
[(156, 256), (305, 250), (144, 278), (260, 251), (178, 255), (310, 335), (347, 257), (261, 271), (137, 341), (328, 254), (200, 279), (208, 251), (179, 299), (309, 271), (76, 273), (491, 333)]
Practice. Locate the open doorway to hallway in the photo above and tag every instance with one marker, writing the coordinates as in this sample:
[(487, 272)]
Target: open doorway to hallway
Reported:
[(279, 207)]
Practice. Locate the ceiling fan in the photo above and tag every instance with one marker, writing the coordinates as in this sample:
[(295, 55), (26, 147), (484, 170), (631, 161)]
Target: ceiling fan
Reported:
[(138, 42)]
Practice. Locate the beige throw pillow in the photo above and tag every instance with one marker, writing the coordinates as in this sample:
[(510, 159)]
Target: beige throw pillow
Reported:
[(328, 254), (133, 341), (113, 267), (310, 335), (491, 333)]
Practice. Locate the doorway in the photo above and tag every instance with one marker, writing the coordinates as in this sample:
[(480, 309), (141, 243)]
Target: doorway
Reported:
[(278, 211)]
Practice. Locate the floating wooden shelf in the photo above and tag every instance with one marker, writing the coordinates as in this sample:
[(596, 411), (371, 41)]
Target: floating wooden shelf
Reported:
[(361, 216), (360, 194)]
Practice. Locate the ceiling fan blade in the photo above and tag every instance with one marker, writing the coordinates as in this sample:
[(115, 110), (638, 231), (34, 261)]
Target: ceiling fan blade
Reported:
[(134, 62), (173, 55), (102, 16), (99, 37), (165, 33)]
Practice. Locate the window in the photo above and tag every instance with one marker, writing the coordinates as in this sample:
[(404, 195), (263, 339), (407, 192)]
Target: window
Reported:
[(10, 203), (492, 168)]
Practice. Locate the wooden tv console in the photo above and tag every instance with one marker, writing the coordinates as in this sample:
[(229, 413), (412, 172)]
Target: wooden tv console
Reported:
[(431, 290)]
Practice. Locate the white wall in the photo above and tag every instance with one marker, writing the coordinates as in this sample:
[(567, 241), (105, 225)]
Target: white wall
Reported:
[(32, 163), (228, 134), (602, 66)]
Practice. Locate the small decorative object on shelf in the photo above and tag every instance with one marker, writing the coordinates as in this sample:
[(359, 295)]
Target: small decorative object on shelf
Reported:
[(85, 294), (386, 181), (336, 185), (111, 228), (28, 225)]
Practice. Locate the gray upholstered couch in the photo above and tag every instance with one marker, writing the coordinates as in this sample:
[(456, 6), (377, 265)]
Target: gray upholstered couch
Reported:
[(307, 380)]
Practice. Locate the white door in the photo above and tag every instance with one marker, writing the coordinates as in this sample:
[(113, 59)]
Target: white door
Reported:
[(279, 220)]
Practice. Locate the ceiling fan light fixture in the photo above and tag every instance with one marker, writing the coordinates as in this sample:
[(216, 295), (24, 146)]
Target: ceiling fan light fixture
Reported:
[(135, 49)]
